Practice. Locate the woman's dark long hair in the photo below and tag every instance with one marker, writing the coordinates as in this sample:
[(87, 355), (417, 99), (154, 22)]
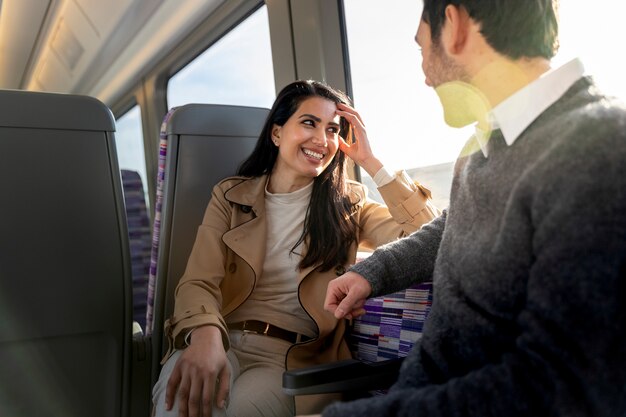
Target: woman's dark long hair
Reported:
[(329, 228)]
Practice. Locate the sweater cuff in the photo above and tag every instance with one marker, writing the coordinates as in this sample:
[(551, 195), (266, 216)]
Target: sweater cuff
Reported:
[(371, 271), (383, 177)]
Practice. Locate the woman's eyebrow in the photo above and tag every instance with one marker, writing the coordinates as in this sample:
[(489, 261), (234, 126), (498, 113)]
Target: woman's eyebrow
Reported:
[(317, 119)]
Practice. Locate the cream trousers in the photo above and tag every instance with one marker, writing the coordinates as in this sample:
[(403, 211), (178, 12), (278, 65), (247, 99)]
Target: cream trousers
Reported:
[(257, 364)]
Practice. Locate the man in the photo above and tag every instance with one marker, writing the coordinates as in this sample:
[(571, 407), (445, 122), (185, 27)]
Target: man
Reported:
[(528, 263)]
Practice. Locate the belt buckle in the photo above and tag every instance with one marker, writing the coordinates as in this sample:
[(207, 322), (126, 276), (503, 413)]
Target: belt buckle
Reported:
[(245, 324), (244, 329)]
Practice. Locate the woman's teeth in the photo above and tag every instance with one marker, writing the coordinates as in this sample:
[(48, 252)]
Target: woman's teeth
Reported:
[(313, 154)]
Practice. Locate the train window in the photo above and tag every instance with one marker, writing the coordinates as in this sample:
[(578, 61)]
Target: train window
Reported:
[(237, 69), (129, 144), (403, 116), (601, 29)]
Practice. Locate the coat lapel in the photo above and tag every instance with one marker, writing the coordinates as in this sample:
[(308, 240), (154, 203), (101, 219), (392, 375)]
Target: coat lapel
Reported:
[(247, 237)]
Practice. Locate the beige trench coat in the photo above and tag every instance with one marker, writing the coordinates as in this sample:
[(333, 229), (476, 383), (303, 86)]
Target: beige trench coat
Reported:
[(227, 259)]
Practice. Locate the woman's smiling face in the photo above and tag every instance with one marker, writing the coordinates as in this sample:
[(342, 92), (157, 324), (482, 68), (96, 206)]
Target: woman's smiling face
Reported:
[(307, 142)]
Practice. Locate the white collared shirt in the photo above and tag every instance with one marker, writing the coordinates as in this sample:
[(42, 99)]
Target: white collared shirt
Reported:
[(517, 112)]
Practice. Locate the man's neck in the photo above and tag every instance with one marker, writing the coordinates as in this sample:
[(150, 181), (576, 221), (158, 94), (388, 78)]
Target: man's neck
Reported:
[(500, 77), (490, 80)]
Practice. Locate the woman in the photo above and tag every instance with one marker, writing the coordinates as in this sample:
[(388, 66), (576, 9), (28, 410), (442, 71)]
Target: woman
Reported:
[(250, 303)]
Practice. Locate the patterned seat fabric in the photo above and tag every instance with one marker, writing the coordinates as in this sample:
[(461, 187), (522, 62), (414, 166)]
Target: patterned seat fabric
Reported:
[(392, 324), (139, 238), (156, 226)]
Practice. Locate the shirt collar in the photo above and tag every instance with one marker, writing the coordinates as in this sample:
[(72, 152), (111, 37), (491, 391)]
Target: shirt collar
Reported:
[(518, 111)]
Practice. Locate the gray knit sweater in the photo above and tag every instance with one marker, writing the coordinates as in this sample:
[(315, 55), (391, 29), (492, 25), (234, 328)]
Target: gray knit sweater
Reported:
[(529, 311)]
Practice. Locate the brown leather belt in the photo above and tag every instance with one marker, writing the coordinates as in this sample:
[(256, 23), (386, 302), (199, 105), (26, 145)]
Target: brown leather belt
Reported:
[(267, 329)]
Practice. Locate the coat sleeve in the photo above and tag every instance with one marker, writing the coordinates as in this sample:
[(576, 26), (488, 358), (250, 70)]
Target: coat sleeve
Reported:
[(198, 296), (407, 207)]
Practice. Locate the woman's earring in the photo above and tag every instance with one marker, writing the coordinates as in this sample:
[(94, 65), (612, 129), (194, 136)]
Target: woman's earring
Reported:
[(275, 142)]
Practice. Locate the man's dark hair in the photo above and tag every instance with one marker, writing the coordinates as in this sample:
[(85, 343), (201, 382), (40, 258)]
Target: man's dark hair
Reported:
[(515, 28)]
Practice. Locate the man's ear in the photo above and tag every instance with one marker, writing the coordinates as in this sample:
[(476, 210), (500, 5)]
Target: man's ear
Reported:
[(455, 30)]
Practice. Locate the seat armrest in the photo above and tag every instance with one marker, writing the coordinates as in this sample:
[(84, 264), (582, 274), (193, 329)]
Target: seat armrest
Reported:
[(342, 376), (140, 378)]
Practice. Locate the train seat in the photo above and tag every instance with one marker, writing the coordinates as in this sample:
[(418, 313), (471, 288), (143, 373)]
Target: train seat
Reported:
[(378, 340), (391, 325), (65, 275), (139, 239), (200, 145)]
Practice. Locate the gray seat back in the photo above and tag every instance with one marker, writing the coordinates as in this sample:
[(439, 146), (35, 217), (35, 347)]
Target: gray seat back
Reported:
[(205, 143), (65, 323)]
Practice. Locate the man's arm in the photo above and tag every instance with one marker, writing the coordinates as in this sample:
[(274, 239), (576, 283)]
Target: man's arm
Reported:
[(569, 358), (407, 261), (390, 268)]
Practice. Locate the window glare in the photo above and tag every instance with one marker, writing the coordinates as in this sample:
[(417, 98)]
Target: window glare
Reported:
[(593, 32), (237, 69), (403, 116), (129, 144)]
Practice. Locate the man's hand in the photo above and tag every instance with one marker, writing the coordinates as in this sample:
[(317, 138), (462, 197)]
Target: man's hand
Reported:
[(200, 375), (345, 296)]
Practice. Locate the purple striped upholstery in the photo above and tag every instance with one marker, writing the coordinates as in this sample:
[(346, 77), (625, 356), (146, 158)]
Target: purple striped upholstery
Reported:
[(391, 325), (139, 239), (156, 226)]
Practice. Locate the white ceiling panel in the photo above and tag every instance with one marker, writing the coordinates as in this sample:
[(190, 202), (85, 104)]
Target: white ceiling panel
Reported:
[(66, 45), (51, 75), (20, 23), (103, 15), (96, 47)]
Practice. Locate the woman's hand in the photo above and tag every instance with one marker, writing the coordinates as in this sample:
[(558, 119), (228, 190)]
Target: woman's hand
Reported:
[(359, 151), (200, 375)]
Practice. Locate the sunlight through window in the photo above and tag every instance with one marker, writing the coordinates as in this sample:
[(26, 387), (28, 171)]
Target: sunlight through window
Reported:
[(404, 117)]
